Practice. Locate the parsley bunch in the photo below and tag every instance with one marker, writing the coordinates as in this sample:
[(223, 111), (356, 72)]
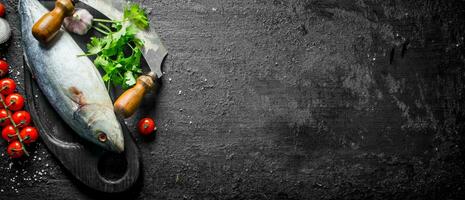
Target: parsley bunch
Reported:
[(119, 52)]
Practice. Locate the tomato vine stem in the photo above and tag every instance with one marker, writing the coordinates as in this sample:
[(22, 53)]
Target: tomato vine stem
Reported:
[(13, 123)]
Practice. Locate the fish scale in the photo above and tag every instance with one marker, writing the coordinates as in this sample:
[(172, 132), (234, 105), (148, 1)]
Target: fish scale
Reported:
[(68, 81)]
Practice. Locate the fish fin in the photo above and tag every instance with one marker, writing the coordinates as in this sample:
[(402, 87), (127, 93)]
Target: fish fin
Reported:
[(77, 97)]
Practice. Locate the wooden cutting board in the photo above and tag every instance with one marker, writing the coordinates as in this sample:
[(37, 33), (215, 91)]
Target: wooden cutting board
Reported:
[(94, 167)]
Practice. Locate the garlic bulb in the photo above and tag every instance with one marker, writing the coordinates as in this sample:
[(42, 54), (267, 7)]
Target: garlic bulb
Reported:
[(5, 31), (80, 23)]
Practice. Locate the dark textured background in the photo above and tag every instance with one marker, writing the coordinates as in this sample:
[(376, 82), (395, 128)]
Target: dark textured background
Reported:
[(296, 99)]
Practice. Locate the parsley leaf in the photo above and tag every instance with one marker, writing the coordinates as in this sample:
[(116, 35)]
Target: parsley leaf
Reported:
[(118, 53), (137, 16), (129, 78)]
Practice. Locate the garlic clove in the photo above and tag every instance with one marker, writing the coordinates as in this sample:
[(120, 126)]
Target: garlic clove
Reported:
[(5, 31), (80, 22)]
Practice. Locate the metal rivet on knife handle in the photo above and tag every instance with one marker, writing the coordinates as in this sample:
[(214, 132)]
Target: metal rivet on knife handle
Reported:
[(127, 104), (48, 25)]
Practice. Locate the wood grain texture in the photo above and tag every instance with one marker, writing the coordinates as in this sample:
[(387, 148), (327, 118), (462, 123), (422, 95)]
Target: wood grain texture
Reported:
[(47, 26), (128, 102), (94, 167)]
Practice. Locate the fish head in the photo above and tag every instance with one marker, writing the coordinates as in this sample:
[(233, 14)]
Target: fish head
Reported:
[(97, 121), (106, 133)]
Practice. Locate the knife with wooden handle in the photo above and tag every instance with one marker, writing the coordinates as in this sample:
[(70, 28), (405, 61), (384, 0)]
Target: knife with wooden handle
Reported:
[(153, 51), (48, 25), (131, 99)]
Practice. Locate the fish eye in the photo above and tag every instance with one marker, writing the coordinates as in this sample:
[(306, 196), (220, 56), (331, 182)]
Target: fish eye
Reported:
[(102, 137)]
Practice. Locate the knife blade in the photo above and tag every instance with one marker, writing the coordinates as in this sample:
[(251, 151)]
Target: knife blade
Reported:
[(153, 51)]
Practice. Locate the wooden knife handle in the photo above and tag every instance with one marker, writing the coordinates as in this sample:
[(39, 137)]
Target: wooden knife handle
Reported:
[(48, 25), (127, 104)]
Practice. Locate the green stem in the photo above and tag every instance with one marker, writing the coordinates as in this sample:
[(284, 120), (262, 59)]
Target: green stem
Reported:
[(89, 54), (101, 31), (108, 84), (107, 21), (105, 27), (131, 48), (14, 125)]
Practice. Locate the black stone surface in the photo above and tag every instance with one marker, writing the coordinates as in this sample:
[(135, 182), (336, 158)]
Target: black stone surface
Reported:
[(296, 99)]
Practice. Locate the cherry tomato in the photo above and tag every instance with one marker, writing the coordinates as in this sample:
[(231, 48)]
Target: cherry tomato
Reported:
[(3, 67), (9, 133), (29, 135), (4, 120), (21, 118), (146, 126), (15, 149), (7, 86), (14, 102), (2, 10)]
